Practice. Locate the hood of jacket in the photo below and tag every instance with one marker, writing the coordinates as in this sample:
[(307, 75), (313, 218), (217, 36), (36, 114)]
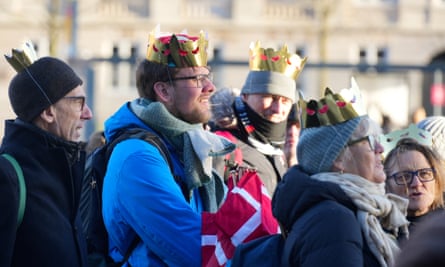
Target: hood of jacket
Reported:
[(298, 192), (123, 118)]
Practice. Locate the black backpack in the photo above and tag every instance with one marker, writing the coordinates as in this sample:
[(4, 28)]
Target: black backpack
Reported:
[(91, 196)]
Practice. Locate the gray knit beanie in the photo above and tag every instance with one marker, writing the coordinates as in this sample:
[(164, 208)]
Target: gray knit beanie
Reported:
[(269, 82), (436, 126), (318, 147), (40, 85)]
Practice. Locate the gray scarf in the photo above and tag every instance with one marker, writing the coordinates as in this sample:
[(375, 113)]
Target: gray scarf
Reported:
[(194, 145)]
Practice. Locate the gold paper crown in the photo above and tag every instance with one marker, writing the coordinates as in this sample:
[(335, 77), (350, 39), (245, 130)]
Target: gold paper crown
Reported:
[(278, 61), (390, 140), (177, 50), (332, 109), (21, 59)]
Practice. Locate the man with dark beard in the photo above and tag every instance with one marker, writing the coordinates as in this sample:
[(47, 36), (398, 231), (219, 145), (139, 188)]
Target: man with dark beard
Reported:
[(260, 113), (143, 199)]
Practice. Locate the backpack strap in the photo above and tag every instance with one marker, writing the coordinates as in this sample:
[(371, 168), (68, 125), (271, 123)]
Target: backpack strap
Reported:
[(22, 187), (156, 141), (153, 139)]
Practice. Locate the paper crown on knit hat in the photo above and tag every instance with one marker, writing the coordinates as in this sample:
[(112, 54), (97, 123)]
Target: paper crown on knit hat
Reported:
[(39, 82), (390, 140), (273, 71), (177, 50), (327, 126), (436, 126), (333, 108)]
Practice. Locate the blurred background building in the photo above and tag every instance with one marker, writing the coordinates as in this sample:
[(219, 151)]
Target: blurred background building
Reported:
[(394, 48)]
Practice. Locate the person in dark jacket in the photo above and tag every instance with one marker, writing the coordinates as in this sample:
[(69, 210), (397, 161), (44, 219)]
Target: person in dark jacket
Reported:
[(332, 204), (259, 114), (47, 97), (425, 246)]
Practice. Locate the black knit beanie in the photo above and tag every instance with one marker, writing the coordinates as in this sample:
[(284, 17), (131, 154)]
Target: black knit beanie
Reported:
[(40, 85)]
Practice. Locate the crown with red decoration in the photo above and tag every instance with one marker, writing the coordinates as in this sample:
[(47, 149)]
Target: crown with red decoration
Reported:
[(282, 61), (333, 108), (177, 50)]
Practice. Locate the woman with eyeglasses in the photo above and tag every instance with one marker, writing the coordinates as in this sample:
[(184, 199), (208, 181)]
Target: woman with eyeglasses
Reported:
[(332, 205), (414, 171)]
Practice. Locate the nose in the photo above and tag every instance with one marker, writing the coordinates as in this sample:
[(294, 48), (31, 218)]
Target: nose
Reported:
[(209, 86), (87, 114), (379, 148), (416, 181)]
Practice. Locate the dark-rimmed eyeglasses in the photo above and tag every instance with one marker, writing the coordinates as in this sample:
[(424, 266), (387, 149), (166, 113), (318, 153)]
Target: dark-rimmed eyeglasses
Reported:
[(200, 79), (372, 140), (406, 177), (78, 100)]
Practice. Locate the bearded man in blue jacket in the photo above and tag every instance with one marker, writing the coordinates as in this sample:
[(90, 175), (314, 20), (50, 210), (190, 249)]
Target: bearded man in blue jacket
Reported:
[(142, 199)]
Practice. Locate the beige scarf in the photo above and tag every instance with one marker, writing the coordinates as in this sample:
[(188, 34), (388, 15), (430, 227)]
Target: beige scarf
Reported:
[(375, 210)]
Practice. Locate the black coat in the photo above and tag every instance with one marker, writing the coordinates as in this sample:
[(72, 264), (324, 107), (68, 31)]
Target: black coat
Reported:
[(51, 232), (320, 218)]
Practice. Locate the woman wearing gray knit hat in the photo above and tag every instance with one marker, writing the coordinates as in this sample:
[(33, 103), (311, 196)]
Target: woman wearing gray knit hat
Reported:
[(332, 205), (40, 223)]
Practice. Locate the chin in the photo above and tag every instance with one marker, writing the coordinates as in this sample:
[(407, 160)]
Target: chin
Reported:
[(75, 138), (379, 179)]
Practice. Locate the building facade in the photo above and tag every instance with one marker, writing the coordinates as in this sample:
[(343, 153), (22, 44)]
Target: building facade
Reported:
[(395, 49)]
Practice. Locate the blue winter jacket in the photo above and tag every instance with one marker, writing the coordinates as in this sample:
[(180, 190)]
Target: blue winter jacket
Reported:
[(141, 198)]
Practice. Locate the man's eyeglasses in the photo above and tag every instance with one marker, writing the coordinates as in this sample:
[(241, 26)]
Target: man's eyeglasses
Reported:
[(372, 140), (200, 79), (406, 177), (78, 100)]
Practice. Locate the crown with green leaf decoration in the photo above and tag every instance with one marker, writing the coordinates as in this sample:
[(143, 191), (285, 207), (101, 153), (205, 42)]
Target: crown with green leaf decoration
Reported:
[(333, 108), (177, 50), (390, 140), (22, 58), (281, 61)]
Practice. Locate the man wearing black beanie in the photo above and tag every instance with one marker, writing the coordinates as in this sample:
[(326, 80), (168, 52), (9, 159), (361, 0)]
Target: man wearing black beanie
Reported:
[(47, 97)]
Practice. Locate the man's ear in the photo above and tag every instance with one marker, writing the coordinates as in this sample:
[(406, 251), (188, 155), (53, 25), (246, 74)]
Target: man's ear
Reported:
[(244, 97), (162, 92), (48, 115)]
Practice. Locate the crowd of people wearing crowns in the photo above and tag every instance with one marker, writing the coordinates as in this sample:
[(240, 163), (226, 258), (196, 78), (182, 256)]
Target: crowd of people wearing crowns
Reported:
[(342, 192)]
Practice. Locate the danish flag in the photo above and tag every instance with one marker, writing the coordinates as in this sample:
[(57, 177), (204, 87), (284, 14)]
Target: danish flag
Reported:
[(245, 215)]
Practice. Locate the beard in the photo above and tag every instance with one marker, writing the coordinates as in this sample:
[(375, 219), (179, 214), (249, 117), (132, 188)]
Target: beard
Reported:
[(193, 116)]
